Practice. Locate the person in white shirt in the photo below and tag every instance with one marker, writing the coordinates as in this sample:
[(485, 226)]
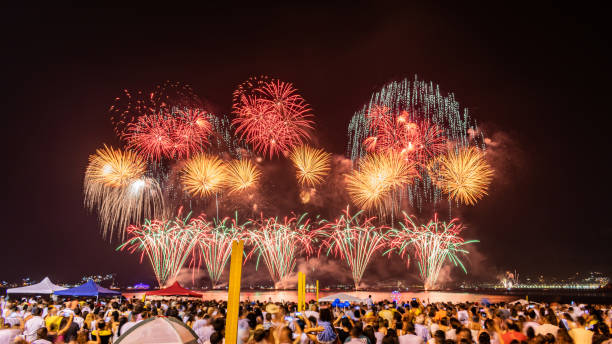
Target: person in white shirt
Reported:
[(32, 324), (410, 336), (312, 312), (531, 322), (549, 326)]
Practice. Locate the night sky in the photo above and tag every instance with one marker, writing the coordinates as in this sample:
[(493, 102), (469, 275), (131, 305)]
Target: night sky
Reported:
[(536, 79)]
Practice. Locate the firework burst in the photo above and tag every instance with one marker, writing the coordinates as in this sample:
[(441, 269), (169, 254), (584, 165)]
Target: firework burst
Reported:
[(432, 244), (370, 185), (395, 132), (272, 117), (312, 165), (203, 175), (151, 136), (417, 121), (354, 239), (115, 186), (190, 132), (241, 175), (465, 175), (215, 242), (130, 105), (279, 243), (167, 243), (114, 167)]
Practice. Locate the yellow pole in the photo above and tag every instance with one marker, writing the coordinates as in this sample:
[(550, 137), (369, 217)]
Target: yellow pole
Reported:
[(303, 292), (233, 294), (317, 295), (299, 291)]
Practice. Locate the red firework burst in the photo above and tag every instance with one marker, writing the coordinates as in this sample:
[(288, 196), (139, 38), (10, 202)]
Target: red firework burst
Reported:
[(151, 136), (177, 135), (131, 105), (416, 141), (190, 132), (273, 118)]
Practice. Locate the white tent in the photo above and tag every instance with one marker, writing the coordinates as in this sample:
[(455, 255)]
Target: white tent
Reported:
[(159, 330), (342, 297), (44, 287)]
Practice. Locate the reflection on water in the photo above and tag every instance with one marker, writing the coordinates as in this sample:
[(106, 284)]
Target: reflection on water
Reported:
[(431, 296)]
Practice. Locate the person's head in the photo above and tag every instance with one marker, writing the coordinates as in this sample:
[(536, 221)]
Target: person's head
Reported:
[(464, 333), (218, 324), (455, 324), (325, 314), (36, 311), (484, 338), (581, 321), (563, 336), (551, 318), (532, 315), (408, 327), (602, 329), (356, 332), (549, 338), (42, 333), (512, 326), (259, 335), (346, 323), (101, 325), (82, 337), (530, 332), (368, 331), (216, 338)]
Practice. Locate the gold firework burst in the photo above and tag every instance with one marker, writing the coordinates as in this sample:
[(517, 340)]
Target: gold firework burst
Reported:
[(312, 165), (465, 175), (114, 167), (377, 175), (203, 175), (241, 175)]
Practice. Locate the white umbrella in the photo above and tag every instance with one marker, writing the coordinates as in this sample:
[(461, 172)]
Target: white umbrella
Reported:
[(159, 330), (342, 297)]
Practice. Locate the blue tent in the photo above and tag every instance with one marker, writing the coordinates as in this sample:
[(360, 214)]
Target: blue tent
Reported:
[(88, 289)]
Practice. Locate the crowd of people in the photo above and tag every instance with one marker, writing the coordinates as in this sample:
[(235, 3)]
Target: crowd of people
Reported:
[(42, 321)]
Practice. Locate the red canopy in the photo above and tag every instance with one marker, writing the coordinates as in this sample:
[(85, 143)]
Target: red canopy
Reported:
[(174, 290)]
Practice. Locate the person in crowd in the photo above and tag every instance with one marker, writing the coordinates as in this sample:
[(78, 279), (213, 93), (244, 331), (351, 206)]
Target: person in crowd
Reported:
[(384, 322)]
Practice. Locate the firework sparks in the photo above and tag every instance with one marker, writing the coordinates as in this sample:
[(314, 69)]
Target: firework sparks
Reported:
[(151, 136), (131, 105), (203, 175), (312, 165), (114, 167), (167, 243), (190, 132), (416, 120), (215, 242), (465, 175), (370, 186), (395, 132), (279, 243), (432, 245), (241, 175), (116, 187), (354, 239), (272, 117)]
